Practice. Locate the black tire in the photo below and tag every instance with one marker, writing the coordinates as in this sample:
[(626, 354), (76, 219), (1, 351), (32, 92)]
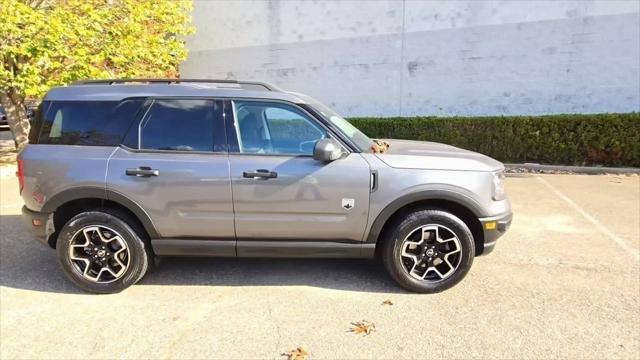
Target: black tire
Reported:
[(139, 259), (394, 237)]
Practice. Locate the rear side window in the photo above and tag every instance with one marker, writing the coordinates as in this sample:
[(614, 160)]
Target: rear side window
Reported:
[(179, 125), (93, 123)]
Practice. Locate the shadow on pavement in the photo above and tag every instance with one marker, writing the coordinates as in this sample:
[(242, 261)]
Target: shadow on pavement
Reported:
[(27, 264)]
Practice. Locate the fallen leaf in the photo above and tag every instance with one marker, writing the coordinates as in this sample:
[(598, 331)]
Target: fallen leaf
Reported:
[(362, 327), (298, 353), (387, 302)]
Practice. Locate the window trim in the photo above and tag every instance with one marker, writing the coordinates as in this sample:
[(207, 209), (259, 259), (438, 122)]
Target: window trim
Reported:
[(43, 114), (330, 133), (157, 151), (142, 121)]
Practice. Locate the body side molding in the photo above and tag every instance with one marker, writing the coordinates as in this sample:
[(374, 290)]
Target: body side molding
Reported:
[(260, 248)]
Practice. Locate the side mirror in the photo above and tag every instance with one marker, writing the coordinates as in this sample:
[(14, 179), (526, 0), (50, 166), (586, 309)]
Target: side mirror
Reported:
[(327, 150)]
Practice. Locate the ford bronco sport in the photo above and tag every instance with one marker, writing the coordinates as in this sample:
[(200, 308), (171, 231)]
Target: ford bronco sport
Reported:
[(120, 171)]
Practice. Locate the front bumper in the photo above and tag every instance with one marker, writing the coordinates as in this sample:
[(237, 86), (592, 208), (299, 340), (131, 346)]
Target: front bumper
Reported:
[(494, 227), (40, 224)]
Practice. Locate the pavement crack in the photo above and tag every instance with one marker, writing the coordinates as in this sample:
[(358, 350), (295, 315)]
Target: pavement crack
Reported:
[(278, 330)]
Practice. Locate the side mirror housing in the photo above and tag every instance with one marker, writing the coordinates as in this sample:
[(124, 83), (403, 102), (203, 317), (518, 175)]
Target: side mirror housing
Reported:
[(327, 150)]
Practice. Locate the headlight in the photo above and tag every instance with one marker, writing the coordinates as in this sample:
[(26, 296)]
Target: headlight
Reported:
[(498, 186)]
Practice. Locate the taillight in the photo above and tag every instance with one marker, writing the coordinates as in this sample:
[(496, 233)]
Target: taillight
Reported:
[(20, 174)]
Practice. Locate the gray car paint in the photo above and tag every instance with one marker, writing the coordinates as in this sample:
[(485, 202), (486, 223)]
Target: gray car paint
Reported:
[(304, 201), (470, 188), (191, 196), (205, 196), (408, 154), (50, 170)]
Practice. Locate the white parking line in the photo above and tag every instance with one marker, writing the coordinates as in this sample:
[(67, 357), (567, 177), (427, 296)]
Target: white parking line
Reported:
[(621, 243)]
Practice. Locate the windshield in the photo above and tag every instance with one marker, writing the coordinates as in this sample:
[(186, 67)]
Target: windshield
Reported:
[(362, 141)]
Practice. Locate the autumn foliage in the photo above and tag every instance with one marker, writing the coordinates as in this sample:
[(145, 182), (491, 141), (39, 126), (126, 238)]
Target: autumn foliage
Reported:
[(45, 43)]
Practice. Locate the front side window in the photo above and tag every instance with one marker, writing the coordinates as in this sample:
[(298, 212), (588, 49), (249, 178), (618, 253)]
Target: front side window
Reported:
[(178, 125), (275, 128)]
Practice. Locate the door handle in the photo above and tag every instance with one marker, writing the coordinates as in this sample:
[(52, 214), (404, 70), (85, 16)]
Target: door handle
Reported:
[(142, 171), (260, 174)]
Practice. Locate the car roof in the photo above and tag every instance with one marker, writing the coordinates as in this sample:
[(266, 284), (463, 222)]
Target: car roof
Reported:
[(116, 90)]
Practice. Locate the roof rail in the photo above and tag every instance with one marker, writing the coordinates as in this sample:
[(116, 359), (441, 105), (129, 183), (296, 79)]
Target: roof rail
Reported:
[(247, 84)]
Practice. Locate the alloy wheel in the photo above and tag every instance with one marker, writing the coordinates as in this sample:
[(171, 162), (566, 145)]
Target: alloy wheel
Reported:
[(431, 253), (99, 253)]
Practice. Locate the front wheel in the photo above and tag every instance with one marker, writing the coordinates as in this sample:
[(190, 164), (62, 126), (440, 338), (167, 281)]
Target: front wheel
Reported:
[(428, 251), (102, 251)]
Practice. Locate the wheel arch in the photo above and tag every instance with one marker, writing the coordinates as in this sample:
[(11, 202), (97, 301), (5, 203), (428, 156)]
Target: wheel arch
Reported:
[(70, 202), (467, 209)]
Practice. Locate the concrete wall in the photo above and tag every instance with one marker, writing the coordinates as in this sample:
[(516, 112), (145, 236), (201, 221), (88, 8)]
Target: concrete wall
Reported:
[(429, 57)]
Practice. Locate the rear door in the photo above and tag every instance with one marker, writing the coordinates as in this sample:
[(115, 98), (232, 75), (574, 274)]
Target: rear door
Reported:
[(174, 164)]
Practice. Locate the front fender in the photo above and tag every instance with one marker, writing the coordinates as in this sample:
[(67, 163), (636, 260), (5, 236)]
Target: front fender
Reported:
[(421, 193)]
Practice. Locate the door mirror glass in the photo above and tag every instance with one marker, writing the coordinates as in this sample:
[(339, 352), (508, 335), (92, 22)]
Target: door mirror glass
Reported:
[(327, 150)]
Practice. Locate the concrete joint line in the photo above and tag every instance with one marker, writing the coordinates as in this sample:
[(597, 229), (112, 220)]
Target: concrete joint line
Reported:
[(620, 242)]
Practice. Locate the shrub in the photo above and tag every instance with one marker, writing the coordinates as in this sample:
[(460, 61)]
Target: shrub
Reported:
[(598, 139)]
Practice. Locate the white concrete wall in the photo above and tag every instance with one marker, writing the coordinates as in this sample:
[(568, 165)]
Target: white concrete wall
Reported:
[(428, 57)]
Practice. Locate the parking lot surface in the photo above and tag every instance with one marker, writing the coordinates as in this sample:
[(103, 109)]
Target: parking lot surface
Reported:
[(564, 282)]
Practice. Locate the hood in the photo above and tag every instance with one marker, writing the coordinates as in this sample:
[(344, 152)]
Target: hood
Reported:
[(430, 155)]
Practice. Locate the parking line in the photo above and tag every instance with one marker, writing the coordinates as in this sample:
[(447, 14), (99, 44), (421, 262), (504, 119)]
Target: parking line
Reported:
[(621, 243)]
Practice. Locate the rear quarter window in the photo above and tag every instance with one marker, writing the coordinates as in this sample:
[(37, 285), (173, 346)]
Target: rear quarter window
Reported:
[(92, 123)]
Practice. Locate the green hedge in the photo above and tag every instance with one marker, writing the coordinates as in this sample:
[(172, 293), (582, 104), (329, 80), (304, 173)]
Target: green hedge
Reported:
[(599, 139)]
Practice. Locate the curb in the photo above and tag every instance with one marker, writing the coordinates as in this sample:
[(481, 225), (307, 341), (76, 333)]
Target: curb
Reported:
[(592, 170)]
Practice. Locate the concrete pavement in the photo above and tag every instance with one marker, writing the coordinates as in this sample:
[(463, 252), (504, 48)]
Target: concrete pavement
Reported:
[(564, 282)]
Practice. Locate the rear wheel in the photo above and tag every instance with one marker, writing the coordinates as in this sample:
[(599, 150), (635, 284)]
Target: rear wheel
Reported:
[(428, 251), (101, 251)]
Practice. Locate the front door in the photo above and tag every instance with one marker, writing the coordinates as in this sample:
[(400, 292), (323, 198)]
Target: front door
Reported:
[(280, 193), (176, 168)]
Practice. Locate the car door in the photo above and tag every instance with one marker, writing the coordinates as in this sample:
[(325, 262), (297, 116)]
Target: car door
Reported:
[(174, 165), (280, 193)]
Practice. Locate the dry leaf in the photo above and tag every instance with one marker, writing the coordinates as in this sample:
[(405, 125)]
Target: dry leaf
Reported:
[(298, 353), (387, 302), (362, 327)]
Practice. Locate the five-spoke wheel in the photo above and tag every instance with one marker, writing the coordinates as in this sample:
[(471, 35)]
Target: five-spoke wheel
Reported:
[(428, 250), (99, 253), (103, 250), (431, 253)]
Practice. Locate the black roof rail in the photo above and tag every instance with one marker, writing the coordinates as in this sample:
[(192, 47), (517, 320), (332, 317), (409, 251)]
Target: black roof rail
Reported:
[(248, 84)]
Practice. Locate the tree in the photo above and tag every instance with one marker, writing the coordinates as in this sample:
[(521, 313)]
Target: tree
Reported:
[(45, 43)]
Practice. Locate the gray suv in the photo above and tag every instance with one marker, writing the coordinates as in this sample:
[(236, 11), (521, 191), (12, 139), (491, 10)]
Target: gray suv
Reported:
[(120, 171)]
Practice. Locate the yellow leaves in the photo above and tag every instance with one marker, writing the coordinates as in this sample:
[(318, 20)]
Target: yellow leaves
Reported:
[(74, 39), (298, 353), (363, 327)]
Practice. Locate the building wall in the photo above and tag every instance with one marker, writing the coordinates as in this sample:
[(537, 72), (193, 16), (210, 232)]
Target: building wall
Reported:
[(388, 58)]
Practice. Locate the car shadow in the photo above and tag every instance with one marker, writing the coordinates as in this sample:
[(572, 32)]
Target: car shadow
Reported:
[(27, 264)]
